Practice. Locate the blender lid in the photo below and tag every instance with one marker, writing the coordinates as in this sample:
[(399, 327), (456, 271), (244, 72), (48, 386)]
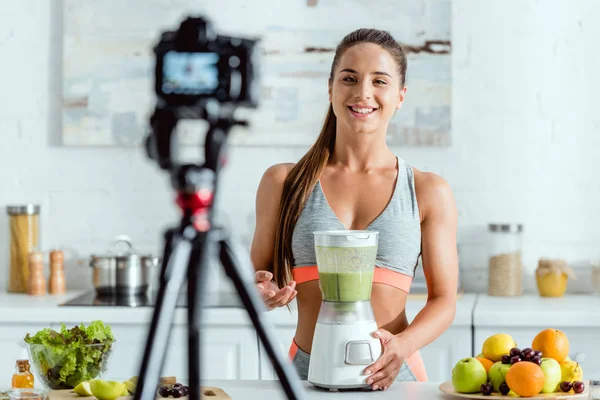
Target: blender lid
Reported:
[(346, 238)]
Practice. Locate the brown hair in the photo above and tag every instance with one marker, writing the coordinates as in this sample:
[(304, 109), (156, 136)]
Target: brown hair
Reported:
[(305, 174)]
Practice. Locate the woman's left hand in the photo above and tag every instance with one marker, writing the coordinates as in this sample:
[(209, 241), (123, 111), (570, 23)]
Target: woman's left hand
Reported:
[(383, 371)]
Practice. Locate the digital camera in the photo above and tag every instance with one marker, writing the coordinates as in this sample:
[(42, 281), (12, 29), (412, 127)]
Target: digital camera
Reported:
[(194, 64)]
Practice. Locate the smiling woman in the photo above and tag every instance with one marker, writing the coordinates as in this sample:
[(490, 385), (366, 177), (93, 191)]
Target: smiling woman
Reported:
[(351, 180)]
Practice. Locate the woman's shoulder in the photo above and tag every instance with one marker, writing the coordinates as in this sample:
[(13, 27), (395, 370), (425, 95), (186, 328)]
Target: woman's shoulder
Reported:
[(277, 174), (432, 191), (273, 179)]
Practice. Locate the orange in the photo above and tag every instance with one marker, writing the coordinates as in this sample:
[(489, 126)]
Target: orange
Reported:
[(525, 378), (487, 364), (552, 343)]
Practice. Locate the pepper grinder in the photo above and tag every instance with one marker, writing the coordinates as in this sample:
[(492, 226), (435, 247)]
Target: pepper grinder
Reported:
[(57, 283), (37, 281)]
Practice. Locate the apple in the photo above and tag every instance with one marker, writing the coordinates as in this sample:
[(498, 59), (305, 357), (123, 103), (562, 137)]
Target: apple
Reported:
[(480, 355), (552, 374), (107, 390), (497, 374), (468, 375)]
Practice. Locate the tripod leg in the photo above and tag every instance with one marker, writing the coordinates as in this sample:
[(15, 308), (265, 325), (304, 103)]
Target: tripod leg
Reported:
[(254, 305), (196, 279), (176, 254)]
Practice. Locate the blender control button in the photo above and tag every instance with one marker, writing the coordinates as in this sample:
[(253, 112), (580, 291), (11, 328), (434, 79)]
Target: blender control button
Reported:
[(358, 352)]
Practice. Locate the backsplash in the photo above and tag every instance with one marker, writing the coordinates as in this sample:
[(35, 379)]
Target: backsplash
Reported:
[(524, 140)]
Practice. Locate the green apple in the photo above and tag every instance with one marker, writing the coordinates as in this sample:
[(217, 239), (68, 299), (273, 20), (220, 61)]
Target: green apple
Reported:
[(107, 390), (480, 355), (497, 373), (468, 375), (83, 389), (552, 374)]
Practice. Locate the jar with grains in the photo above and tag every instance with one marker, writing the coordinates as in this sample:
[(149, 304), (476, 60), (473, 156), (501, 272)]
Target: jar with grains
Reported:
[(24, 228), (504, 264)]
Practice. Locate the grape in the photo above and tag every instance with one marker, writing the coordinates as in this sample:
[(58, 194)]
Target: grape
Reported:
[(527, 354), (186, 390), (515, 360), (565, 386), (578, 387), (177, 385), (177, 392), (164, 391), (486, 389), (504, 389), (539, 354), (515, 351), (536, 360), (506, 359)]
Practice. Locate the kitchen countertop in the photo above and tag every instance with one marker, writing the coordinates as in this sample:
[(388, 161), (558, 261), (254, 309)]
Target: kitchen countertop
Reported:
[(255, 390), (22, 308), (480, 310), (464, 311), (534, 311)]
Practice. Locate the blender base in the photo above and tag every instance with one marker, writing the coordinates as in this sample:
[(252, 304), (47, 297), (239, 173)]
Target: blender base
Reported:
[(340, 353)]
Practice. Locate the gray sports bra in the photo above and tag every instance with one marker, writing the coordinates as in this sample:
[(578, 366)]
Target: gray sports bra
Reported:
[(399, 227)]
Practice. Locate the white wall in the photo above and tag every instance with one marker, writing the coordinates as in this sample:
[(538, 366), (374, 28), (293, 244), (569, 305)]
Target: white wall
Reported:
[(525, 138)]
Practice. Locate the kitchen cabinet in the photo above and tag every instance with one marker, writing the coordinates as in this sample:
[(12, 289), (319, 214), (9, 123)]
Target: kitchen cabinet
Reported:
[(227, 352), (439, 356), (12, 348), (523, 317), (583, 343)]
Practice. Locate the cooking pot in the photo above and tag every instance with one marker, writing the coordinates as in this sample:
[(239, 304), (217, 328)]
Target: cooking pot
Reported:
[(123, 272)]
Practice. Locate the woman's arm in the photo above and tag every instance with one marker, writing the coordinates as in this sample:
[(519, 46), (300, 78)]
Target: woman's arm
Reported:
[(268, 197), (440, 261)]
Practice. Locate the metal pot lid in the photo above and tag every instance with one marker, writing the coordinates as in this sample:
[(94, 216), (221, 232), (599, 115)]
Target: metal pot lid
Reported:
[(121, 253)]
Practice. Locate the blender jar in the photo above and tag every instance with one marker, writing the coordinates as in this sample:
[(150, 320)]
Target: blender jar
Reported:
[(346, 261)]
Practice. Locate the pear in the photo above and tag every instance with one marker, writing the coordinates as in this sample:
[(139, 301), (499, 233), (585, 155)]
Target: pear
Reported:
[(107, 390), (83, 389), (134, 380), (131, 386)]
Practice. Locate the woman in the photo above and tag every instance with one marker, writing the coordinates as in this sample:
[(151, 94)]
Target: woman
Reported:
[(350, 179)]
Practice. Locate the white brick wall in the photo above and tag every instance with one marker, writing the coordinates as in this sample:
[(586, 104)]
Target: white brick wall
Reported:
[(525, 136)]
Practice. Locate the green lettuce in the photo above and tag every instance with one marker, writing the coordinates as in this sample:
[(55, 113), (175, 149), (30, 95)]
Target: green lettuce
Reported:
[(66, 358)]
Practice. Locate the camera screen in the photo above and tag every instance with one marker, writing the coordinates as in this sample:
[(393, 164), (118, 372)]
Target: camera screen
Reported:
[(190, 73)]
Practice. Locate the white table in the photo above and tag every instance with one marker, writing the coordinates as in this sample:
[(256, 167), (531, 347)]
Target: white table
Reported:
[(259, 390)]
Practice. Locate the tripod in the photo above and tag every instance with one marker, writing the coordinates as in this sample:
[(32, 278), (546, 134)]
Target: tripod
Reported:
[(186, 253)]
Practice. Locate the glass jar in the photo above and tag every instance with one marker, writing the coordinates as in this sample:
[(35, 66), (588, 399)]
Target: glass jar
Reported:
[(22, 378), (24, 228), (504, 246)]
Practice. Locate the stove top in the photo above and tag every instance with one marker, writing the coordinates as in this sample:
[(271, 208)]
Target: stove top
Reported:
[(91, 298)]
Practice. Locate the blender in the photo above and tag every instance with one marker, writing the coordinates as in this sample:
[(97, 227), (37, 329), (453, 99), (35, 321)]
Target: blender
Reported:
[(343, 345)]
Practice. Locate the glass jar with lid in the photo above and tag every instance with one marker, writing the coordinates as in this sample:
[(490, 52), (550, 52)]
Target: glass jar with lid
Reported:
[(504, 246), (24, 229)]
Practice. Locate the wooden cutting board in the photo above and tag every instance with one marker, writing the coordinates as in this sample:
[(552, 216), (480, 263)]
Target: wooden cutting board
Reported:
[(448, 388), (208, 393)]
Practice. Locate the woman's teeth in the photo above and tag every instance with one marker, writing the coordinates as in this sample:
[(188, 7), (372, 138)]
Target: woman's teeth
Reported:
[(362, 110)]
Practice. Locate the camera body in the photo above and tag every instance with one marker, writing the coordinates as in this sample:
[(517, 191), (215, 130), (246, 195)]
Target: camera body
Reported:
[(194, 64)]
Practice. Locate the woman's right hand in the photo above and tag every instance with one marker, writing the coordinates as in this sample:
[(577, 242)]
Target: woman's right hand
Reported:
[(272, 296)]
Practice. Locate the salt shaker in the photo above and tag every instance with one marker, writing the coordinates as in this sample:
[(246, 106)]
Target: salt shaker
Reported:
[(57, 283), (37, 281)]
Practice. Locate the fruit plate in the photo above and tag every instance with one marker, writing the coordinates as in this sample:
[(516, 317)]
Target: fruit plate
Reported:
[(448, 388)]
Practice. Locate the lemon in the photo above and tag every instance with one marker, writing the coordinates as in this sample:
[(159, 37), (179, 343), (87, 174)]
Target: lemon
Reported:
[(497, 345), (83, 389)]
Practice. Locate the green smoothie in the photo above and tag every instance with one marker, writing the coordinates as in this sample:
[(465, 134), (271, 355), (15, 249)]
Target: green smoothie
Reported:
[(346, 286)]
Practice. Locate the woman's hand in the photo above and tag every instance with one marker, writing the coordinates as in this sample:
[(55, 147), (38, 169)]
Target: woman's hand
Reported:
[(270, 293), (383, 372)]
